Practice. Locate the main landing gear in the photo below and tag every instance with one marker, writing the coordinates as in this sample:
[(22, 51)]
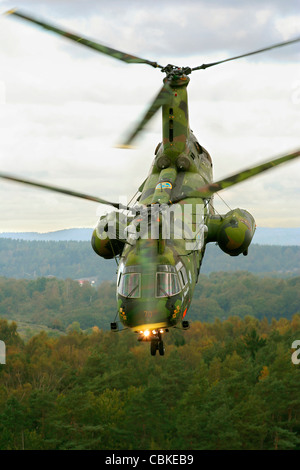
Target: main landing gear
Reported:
[(155, 339), (157, 345)]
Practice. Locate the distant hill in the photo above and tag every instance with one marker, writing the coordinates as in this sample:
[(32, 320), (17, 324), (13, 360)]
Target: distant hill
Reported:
[(62, 259), (281, 261), (263, 235), (277, 236), (76, 260), (72, 234)]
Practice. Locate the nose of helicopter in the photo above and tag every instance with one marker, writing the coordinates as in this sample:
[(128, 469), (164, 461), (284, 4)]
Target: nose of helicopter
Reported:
[(148, 314), (149, 294)]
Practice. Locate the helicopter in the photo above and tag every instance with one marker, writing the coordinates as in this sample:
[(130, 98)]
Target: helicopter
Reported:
[(159, 241)]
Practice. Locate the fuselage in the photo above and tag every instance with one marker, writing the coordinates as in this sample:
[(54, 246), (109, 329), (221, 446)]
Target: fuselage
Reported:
[(161, 259), (162, 247)]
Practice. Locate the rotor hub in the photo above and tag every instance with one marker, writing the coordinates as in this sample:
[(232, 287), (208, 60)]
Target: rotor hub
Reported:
[(177, 74)]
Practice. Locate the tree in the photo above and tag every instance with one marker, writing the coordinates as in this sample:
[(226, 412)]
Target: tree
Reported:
[(253, 343)]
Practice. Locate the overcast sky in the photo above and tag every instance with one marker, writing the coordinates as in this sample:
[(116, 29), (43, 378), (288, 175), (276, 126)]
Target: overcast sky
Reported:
[(63, 107)]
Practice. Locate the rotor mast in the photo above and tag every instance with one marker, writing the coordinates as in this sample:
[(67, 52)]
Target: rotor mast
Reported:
[(175, 115)]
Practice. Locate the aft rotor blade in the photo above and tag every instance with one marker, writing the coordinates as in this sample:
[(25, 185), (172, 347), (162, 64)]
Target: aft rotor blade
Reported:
[(130, 59), (211, 188), (56, 189), (285, 43), (163, 97)]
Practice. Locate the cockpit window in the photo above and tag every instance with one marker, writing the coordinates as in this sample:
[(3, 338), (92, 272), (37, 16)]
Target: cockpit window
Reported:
[(167, 284), (130, 285), (183, 276)]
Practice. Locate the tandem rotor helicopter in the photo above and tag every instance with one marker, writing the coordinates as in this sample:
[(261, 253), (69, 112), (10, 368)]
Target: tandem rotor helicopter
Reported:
[(159, 242)]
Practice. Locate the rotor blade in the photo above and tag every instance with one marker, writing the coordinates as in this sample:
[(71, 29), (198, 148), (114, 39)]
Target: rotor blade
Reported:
[(286, 43), (130, 59), (211, 188), (162, 98), (62, 191)]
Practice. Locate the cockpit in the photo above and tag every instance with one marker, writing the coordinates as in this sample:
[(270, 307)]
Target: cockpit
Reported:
[(165, 281)]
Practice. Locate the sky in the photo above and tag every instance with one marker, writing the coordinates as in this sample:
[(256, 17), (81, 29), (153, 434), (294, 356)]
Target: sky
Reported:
[(63, 107)]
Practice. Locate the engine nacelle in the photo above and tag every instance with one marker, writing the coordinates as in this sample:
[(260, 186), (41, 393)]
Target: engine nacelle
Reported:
[(109, 236), (233, 232)]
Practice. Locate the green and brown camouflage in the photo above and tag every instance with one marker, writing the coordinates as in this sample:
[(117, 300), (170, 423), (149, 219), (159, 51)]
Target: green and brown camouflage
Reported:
[(150, 306), (175, 118), (180, 165), (160, 242), (233, 231)]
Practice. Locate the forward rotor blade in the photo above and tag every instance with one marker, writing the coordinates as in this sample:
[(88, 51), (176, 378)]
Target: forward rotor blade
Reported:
[(163, 97), (130, 59), (211, 188), (62, 191), (285, 43)]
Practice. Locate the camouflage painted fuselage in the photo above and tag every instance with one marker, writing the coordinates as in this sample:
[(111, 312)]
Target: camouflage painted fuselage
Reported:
[(157, 273), (179, 166)]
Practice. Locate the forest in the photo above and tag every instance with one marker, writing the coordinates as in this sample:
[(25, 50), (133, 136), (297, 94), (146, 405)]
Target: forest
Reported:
[(223, 385), (227, 383), (57, 303)]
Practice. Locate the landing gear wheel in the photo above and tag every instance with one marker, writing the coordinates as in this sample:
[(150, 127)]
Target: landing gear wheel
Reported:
[(161, 348), (153, 347)]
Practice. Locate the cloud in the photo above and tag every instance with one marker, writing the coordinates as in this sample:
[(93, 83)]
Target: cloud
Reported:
[(173, 28), (67, 106)]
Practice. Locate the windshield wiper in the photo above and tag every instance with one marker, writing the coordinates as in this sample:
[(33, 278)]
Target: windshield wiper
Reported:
[(132, 291), (164, 292)]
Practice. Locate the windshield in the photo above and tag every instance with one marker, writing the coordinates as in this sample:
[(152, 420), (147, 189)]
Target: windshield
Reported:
[(130, 285), (167, 284)]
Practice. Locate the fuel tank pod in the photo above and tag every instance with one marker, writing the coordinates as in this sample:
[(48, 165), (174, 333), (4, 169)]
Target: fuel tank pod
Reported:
[(109, 236), (235, 232)]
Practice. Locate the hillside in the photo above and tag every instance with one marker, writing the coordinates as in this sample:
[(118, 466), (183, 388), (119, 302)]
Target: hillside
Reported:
[(72, 234), (66, 259), (57, 304), (76, 259)]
